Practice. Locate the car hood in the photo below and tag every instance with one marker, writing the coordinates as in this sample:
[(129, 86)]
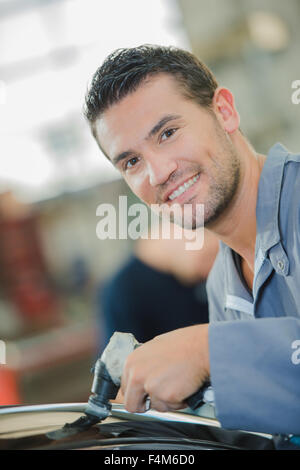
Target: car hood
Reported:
[(28, 427)]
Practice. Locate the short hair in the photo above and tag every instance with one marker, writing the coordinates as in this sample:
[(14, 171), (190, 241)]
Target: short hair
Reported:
[(125, 69)]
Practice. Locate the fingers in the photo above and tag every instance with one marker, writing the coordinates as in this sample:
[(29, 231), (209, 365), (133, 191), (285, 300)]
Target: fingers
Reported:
[(158, 405), (135, 401), (137, 396), (137, 391), (132, 389)]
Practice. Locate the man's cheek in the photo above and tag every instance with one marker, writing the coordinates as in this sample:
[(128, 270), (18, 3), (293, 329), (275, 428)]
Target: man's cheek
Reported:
[(141, 189)]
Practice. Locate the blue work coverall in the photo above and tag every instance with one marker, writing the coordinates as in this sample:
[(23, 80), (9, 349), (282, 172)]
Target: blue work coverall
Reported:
[(254, 336)]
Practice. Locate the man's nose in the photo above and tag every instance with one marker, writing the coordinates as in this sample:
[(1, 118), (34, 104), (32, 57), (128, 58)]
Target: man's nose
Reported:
[(160, 169)]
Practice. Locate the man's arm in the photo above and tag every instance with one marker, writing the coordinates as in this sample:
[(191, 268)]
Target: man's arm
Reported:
[(255, 374), (252, 366)]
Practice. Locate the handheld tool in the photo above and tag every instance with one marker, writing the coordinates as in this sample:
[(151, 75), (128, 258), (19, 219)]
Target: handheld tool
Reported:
[(108, 372), (107, 380)]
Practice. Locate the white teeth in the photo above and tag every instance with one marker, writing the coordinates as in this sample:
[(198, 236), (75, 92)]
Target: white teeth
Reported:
[(184, 187)]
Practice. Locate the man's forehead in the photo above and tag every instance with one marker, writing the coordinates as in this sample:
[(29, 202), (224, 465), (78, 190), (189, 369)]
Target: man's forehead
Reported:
[(137, 112)]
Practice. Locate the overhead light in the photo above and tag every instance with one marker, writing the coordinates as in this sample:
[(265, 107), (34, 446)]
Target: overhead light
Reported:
[(268, 31)]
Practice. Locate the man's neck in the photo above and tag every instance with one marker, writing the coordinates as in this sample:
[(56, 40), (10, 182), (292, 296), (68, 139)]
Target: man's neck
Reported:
[(237, 226)]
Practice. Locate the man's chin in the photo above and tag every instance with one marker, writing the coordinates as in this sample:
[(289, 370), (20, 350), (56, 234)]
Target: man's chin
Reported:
[(190, 225)]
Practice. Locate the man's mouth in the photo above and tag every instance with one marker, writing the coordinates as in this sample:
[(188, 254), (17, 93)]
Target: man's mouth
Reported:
[(184, 187)]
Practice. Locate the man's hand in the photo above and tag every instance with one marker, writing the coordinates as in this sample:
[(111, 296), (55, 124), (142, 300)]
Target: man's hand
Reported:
[(168, 369)]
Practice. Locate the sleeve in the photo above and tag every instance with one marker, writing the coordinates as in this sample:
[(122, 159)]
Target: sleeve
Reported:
[(215, 291), (255, 374)]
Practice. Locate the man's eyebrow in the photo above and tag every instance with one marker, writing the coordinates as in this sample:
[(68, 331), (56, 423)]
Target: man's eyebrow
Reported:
[(121, 157), (163, 121), (155, 129)]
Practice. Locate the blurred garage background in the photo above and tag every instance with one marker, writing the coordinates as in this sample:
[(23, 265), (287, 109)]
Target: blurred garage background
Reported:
[(53, 176)]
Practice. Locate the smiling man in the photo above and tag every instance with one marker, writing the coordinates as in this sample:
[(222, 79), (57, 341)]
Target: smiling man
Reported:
[(159, 115)]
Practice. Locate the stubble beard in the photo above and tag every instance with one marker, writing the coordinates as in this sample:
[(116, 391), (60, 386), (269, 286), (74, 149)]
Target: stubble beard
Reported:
[(223, 183), (222, 190)]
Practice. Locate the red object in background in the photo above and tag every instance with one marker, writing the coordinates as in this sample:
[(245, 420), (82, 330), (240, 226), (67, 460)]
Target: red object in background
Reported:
[(9, 394), (23, 273), (32, 298)]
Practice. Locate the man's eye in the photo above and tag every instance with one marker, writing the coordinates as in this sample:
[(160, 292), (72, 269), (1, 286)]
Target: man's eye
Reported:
[(168, 133), (130, 163)]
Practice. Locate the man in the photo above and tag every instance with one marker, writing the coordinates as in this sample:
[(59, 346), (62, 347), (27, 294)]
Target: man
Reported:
[(159, 115)]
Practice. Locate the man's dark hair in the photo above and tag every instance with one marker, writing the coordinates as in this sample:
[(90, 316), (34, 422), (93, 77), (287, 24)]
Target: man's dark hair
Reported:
[(125, 69)]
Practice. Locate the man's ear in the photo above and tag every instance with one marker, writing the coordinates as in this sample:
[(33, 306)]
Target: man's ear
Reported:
[(224, 107)]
